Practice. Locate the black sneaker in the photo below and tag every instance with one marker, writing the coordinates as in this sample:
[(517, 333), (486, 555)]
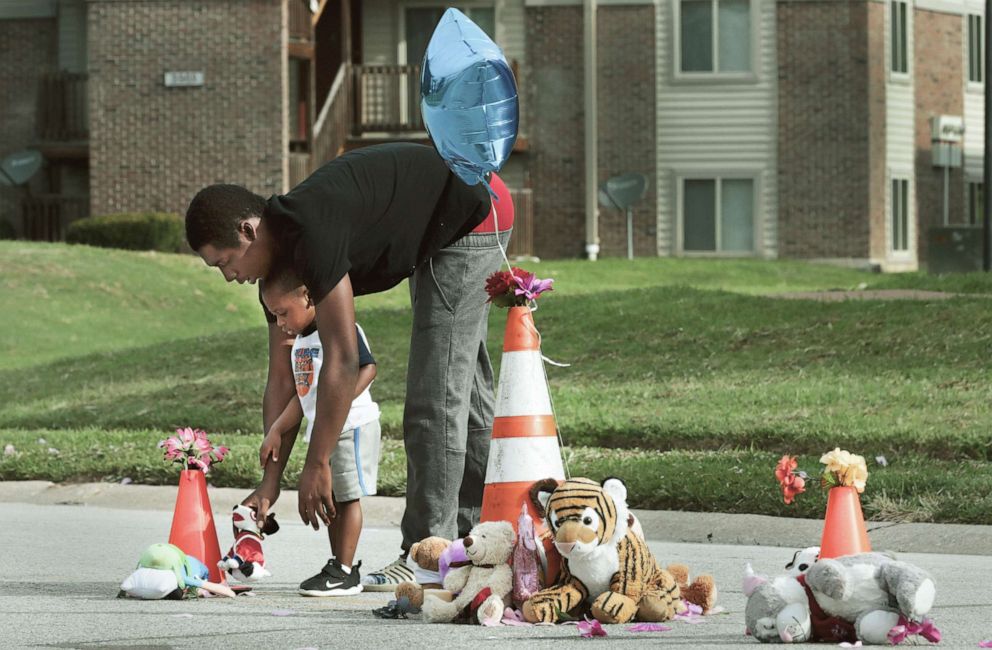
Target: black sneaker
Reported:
[(333, 581)]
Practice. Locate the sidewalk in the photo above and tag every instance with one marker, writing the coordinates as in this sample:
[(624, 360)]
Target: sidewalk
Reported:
[(660, 525)]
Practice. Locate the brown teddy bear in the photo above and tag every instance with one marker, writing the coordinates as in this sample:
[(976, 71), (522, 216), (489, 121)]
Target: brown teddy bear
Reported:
[(426, 555)]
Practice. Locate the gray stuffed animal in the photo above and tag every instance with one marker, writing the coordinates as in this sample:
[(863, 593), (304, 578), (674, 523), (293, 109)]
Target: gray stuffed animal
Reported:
[(852, 598)]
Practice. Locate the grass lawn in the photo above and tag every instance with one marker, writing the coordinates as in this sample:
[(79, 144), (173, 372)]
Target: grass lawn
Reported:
[(687, 380)]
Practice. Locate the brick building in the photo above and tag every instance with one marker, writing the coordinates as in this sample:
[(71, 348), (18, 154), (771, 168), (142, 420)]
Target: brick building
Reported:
[(766, 128)]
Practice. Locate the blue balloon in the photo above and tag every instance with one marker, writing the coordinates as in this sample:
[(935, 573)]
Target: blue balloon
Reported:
[(468, 98)]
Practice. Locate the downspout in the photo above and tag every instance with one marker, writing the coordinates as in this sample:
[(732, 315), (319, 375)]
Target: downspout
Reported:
[(591, 132)]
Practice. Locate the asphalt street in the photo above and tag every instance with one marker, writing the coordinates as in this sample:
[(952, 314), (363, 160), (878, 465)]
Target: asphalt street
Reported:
[(62, 565)]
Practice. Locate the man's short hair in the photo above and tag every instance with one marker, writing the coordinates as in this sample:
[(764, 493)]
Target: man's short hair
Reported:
[(215, 213), (282, 277)]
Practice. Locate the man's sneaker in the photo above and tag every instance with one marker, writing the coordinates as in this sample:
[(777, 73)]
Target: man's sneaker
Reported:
[(389, 576), (333, 581)]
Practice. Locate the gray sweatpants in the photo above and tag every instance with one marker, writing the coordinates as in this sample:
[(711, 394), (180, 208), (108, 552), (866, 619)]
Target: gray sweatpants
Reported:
[(449, 390)]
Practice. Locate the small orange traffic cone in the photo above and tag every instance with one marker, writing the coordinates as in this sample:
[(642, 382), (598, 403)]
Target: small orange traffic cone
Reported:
[(524, 447), (193, 528), (844, 531)]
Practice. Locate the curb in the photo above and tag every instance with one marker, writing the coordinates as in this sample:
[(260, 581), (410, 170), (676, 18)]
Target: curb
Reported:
[(659, 525)]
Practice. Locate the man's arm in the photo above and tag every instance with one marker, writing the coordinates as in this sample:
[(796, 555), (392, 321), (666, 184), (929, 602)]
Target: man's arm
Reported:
[(335, 392), (279, 390)]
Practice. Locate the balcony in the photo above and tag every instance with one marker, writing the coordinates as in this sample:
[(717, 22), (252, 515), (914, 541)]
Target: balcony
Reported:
[(387, 99), (62, 116), (300, 21)]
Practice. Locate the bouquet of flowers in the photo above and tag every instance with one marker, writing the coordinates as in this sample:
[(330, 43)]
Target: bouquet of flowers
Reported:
[(192, 449), (842, 469), (515, 288)]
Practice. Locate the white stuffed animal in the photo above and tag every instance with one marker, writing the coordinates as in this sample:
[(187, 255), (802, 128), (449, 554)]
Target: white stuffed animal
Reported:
[(484, 585), (869, 597), (803, 561)]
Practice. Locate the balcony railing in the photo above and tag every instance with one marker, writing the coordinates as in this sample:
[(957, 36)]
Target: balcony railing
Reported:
[(46, 216), (387, 99), (300, 21), (62, 112), (522, 239)]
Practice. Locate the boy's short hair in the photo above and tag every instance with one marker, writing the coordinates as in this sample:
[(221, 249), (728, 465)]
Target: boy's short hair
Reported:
[(216, 211), (282, 277)]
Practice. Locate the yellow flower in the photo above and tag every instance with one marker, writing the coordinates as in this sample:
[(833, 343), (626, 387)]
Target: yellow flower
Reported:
[(849, 469)]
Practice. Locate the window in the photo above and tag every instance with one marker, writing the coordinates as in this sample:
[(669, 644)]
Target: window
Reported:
[(976, 203), (900, 215), (976, 41), (715, 36), (718, 215), (421, 21), (899, 37)]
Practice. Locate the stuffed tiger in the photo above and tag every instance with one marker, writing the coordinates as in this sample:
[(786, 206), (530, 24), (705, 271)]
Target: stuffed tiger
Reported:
[(607, 570)]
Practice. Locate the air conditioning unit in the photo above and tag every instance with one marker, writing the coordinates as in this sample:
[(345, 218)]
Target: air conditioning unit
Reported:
[(946, 128)]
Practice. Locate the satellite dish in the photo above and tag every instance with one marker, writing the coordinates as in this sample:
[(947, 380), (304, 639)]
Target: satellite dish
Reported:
[(19, 167), (621, 193), (626, 189)]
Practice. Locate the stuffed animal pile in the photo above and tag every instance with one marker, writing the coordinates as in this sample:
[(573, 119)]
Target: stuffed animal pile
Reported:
[(862, 597)]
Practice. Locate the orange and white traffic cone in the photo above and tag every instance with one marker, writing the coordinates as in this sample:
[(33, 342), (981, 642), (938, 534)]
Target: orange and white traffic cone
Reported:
[(193, 528), (844, 531), (524, 447)]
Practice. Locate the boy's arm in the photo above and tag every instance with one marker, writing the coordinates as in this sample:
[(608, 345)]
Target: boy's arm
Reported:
[(335, 393), (279, 390), (365, 376), (288, 422)]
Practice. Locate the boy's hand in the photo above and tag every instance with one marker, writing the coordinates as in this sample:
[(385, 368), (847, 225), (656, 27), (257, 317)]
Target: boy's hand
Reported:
[(270, 447), (263, 498), (315, 501)]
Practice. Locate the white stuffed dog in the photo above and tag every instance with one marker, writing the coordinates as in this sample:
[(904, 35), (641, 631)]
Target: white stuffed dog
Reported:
[(484, 584)]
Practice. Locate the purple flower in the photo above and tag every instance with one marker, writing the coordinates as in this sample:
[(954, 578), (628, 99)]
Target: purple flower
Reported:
[(529, 286)]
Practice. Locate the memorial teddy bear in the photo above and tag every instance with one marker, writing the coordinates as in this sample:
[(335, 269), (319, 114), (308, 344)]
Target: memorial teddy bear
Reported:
[(484, 585), (245, 561), (868, 597), (425, 558), (607, 569)]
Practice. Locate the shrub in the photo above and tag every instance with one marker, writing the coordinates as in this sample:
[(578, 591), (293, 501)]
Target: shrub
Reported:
[(139, 231), (7, 230)]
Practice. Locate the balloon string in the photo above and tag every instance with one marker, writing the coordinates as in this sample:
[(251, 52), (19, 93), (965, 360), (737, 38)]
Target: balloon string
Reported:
[(532, 304)]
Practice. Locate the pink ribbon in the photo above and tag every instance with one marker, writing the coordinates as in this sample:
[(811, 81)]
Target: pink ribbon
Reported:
[(907, 628)]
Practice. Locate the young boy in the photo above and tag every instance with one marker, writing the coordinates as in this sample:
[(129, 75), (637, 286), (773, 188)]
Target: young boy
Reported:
[(355, 459)]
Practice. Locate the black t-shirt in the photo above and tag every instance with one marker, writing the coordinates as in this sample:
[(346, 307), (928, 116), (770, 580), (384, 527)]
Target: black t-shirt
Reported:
[(374, 213)]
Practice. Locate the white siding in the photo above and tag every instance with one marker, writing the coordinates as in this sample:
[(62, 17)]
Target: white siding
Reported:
[(379, 31), (381, 27), (718, 127), (72, 35), (974, 115), (900, 140)]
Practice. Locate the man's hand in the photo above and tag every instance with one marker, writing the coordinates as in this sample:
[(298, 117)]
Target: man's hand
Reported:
[(316, 503), (263, 498), (270, 447)]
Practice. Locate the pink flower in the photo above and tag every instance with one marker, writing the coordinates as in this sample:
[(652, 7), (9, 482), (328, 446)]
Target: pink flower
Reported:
[(186, 436), (791, 482), (201, 463), (590, 628), (219, 453)]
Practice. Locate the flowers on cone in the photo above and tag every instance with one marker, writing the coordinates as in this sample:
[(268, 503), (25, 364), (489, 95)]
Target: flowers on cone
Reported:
[(845, 469), (192, 449), (842, 469), (515, 288)]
